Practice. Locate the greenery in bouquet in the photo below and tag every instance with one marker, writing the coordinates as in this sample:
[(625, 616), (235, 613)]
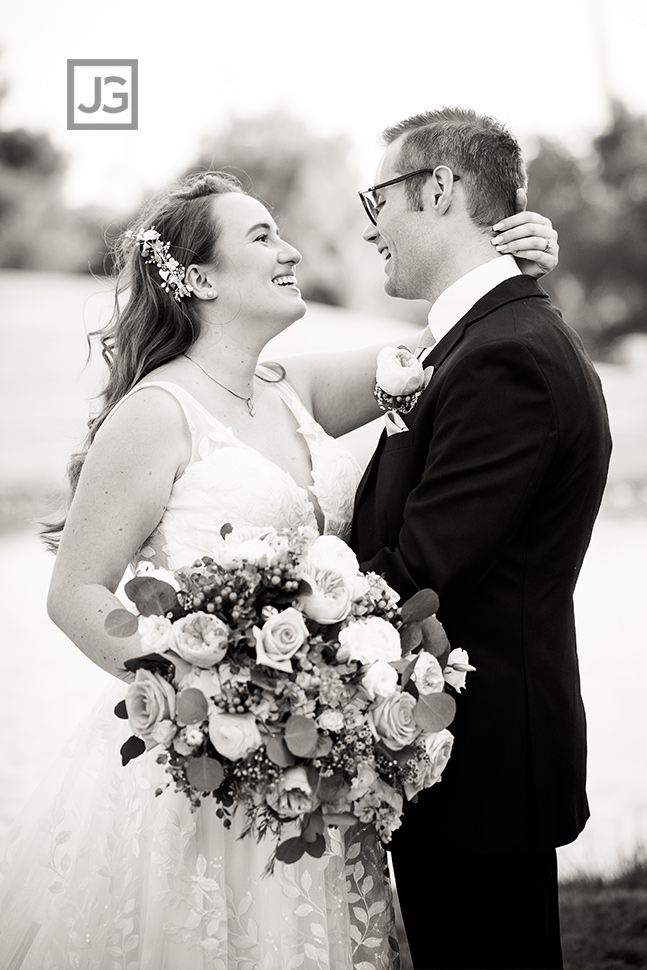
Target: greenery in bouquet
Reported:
[(278, 677)]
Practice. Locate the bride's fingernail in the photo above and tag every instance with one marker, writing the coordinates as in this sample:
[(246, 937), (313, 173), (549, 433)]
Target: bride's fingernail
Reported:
[(501, 249), (494, 242), (498, 227)]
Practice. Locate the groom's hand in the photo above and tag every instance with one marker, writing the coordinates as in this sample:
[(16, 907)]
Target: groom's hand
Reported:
[(526, 235)]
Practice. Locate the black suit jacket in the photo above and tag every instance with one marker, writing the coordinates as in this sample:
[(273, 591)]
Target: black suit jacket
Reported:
[(490, 499)]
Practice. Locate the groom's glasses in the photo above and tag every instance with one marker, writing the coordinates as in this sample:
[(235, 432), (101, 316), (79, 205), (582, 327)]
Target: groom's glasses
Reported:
[(368, 199)]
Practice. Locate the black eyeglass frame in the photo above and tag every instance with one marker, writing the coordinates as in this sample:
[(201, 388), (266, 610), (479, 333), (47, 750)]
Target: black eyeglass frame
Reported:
[(369, 205)]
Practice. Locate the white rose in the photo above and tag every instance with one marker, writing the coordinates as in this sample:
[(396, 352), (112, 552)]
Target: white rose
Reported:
[(149, 699), (330, 720), (438, 748), (154, 632), (427, 674), (369, 640), (332, 553), (234, 735), (380, 680), (329, 598), (398, 371), (280, 638), (199, 638), (457, 667), (392, 720)]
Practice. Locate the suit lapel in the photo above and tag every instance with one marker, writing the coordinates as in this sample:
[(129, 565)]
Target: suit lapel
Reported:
[(515, 288)]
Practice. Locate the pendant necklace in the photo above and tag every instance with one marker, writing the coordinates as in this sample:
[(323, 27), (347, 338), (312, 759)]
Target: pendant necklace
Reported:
[(248, 400)]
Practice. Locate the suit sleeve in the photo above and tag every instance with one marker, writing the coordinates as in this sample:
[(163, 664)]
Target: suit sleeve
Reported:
[(493, 436)]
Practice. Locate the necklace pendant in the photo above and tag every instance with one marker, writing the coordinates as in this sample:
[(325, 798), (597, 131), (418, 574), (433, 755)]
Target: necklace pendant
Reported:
[(252, 409)]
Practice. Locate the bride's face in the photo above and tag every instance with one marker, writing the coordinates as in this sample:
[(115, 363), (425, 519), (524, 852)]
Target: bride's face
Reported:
[(254, 274)]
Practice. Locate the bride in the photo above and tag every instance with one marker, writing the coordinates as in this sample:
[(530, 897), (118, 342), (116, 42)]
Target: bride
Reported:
[(194, 432)]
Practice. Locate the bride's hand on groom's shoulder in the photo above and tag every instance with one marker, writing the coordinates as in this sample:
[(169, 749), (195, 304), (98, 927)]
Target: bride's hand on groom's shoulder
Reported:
[(529, 237)]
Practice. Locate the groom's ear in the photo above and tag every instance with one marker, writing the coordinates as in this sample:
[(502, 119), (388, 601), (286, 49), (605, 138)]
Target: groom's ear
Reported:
[(440, 189)]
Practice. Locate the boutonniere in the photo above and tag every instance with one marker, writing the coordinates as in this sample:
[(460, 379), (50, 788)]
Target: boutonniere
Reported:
[(399, 379)]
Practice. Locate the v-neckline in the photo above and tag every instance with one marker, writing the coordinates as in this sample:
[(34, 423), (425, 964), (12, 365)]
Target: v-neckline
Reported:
[(309, 490)]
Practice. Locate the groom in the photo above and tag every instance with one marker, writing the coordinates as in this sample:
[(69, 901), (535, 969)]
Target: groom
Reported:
[(488, 495)]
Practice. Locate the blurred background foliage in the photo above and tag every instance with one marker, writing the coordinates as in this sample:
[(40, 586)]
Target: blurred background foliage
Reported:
[(597, 200)]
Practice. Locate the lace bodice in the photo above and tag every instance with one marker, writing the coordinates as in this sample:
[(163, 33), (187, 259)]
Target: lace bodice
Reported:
[(228, 481)]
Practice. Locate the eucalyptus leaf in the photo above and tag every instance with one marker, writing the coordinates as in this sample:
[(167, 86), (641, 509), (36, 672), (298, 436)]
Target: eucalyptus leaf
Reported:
[(291, 850), (278, 752), (301, 736), (204, 774), (434, 638), (324, 745), (149, 661), (433, 712), (317, 847), (410, 637), (151, 596), (408, 670), (226, 529), (422, 604), (120, 623), (132, 748), (191, 706), (121, 711), (313, 826)]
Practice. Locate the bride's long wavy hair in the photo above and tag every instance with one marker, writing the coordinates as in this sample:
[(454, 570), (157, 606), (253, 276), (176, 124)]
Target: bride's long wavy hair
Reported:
[(148, 327)]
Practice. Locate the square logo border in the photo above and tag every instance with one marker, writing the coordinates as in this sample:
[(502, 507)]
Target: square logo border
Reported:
[(102, 62)]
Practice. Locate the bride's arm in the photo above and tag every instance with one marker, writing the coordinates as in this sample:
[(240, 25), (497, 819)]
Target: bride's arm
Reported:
[(338, 387), (121, 497)]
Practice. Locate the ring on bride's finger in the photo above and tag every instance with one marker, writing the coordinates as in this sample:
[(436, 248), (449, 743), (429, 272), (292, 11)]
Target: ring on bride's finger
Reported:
[(548, 244)]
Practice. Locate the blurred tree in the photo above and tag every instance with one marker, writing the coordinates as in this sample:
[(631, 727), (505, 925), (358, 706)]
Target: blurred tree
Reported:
[(36, 229), (598, 203), (307, 182)]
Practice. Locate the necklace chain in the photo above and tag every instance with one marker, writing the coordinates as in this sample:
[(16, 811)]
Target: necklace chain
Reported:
[(248, 400)]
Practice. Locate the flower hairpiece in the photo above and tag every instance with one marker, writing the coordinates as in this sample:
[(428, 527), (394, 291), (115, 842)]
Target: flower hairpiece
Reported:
[(159, 252), (399, 380)]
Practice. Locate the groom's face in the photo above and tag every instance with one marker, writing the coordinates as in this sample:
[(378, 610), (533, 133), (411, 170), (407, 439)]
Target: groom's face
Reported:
[(403, 237)]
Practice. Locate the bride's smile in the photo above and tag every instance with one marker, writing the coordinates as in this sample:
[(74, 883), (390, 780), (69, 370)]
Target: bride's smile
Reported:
[(253, 275)]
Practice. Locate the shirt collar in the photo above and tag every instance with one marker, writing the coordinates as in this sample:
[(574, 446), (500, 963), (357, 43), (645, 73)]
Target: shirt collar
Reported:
[(454, 302)]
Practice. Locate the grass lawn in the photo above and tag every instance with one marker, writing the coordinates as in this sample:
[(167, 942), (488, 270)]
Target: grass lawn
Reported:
[(604, 921)]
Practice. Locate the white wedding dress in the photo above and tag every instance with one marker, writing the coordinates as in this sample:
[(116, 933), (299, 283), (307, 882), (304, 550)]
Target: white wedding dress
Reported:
[(99, 873)]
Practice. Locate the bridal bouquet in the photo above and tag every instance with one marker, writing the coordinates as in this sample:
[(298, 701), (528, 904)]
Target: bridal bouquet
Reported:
[(278, 677)]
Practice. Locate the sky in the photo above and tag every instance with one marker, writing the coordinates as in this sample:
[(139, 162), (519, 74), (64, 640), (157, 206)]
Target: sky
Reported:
[(344, 66)]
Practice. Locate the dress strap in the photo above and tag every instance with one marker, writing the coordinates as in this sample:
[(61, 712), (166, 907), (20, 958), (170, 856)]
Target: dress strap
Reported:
[(288, 394), (198, 419)]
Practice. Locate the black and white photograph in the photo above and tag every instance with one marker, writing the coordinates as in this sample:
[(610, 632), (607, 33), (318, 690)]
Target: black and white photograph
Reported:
[(323, 493)]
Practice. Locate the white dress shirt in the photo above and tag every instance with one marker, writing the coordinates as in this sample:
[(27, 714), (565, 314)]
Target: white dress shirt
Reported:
[(454, 302)]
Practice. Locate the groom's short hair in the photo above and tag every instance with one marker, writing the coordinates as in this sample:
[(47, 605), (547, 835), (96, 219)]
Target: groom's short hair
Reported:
[(476, 147)]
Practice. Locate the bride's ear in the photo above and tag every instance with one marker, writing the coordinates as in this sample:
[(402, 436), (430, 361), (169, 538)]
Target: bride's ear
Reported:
[(197, 278)]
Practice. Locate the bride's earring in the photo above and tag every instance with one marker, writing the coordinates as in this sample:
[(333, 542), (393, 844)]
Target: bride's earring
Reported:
[(210, 294)]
